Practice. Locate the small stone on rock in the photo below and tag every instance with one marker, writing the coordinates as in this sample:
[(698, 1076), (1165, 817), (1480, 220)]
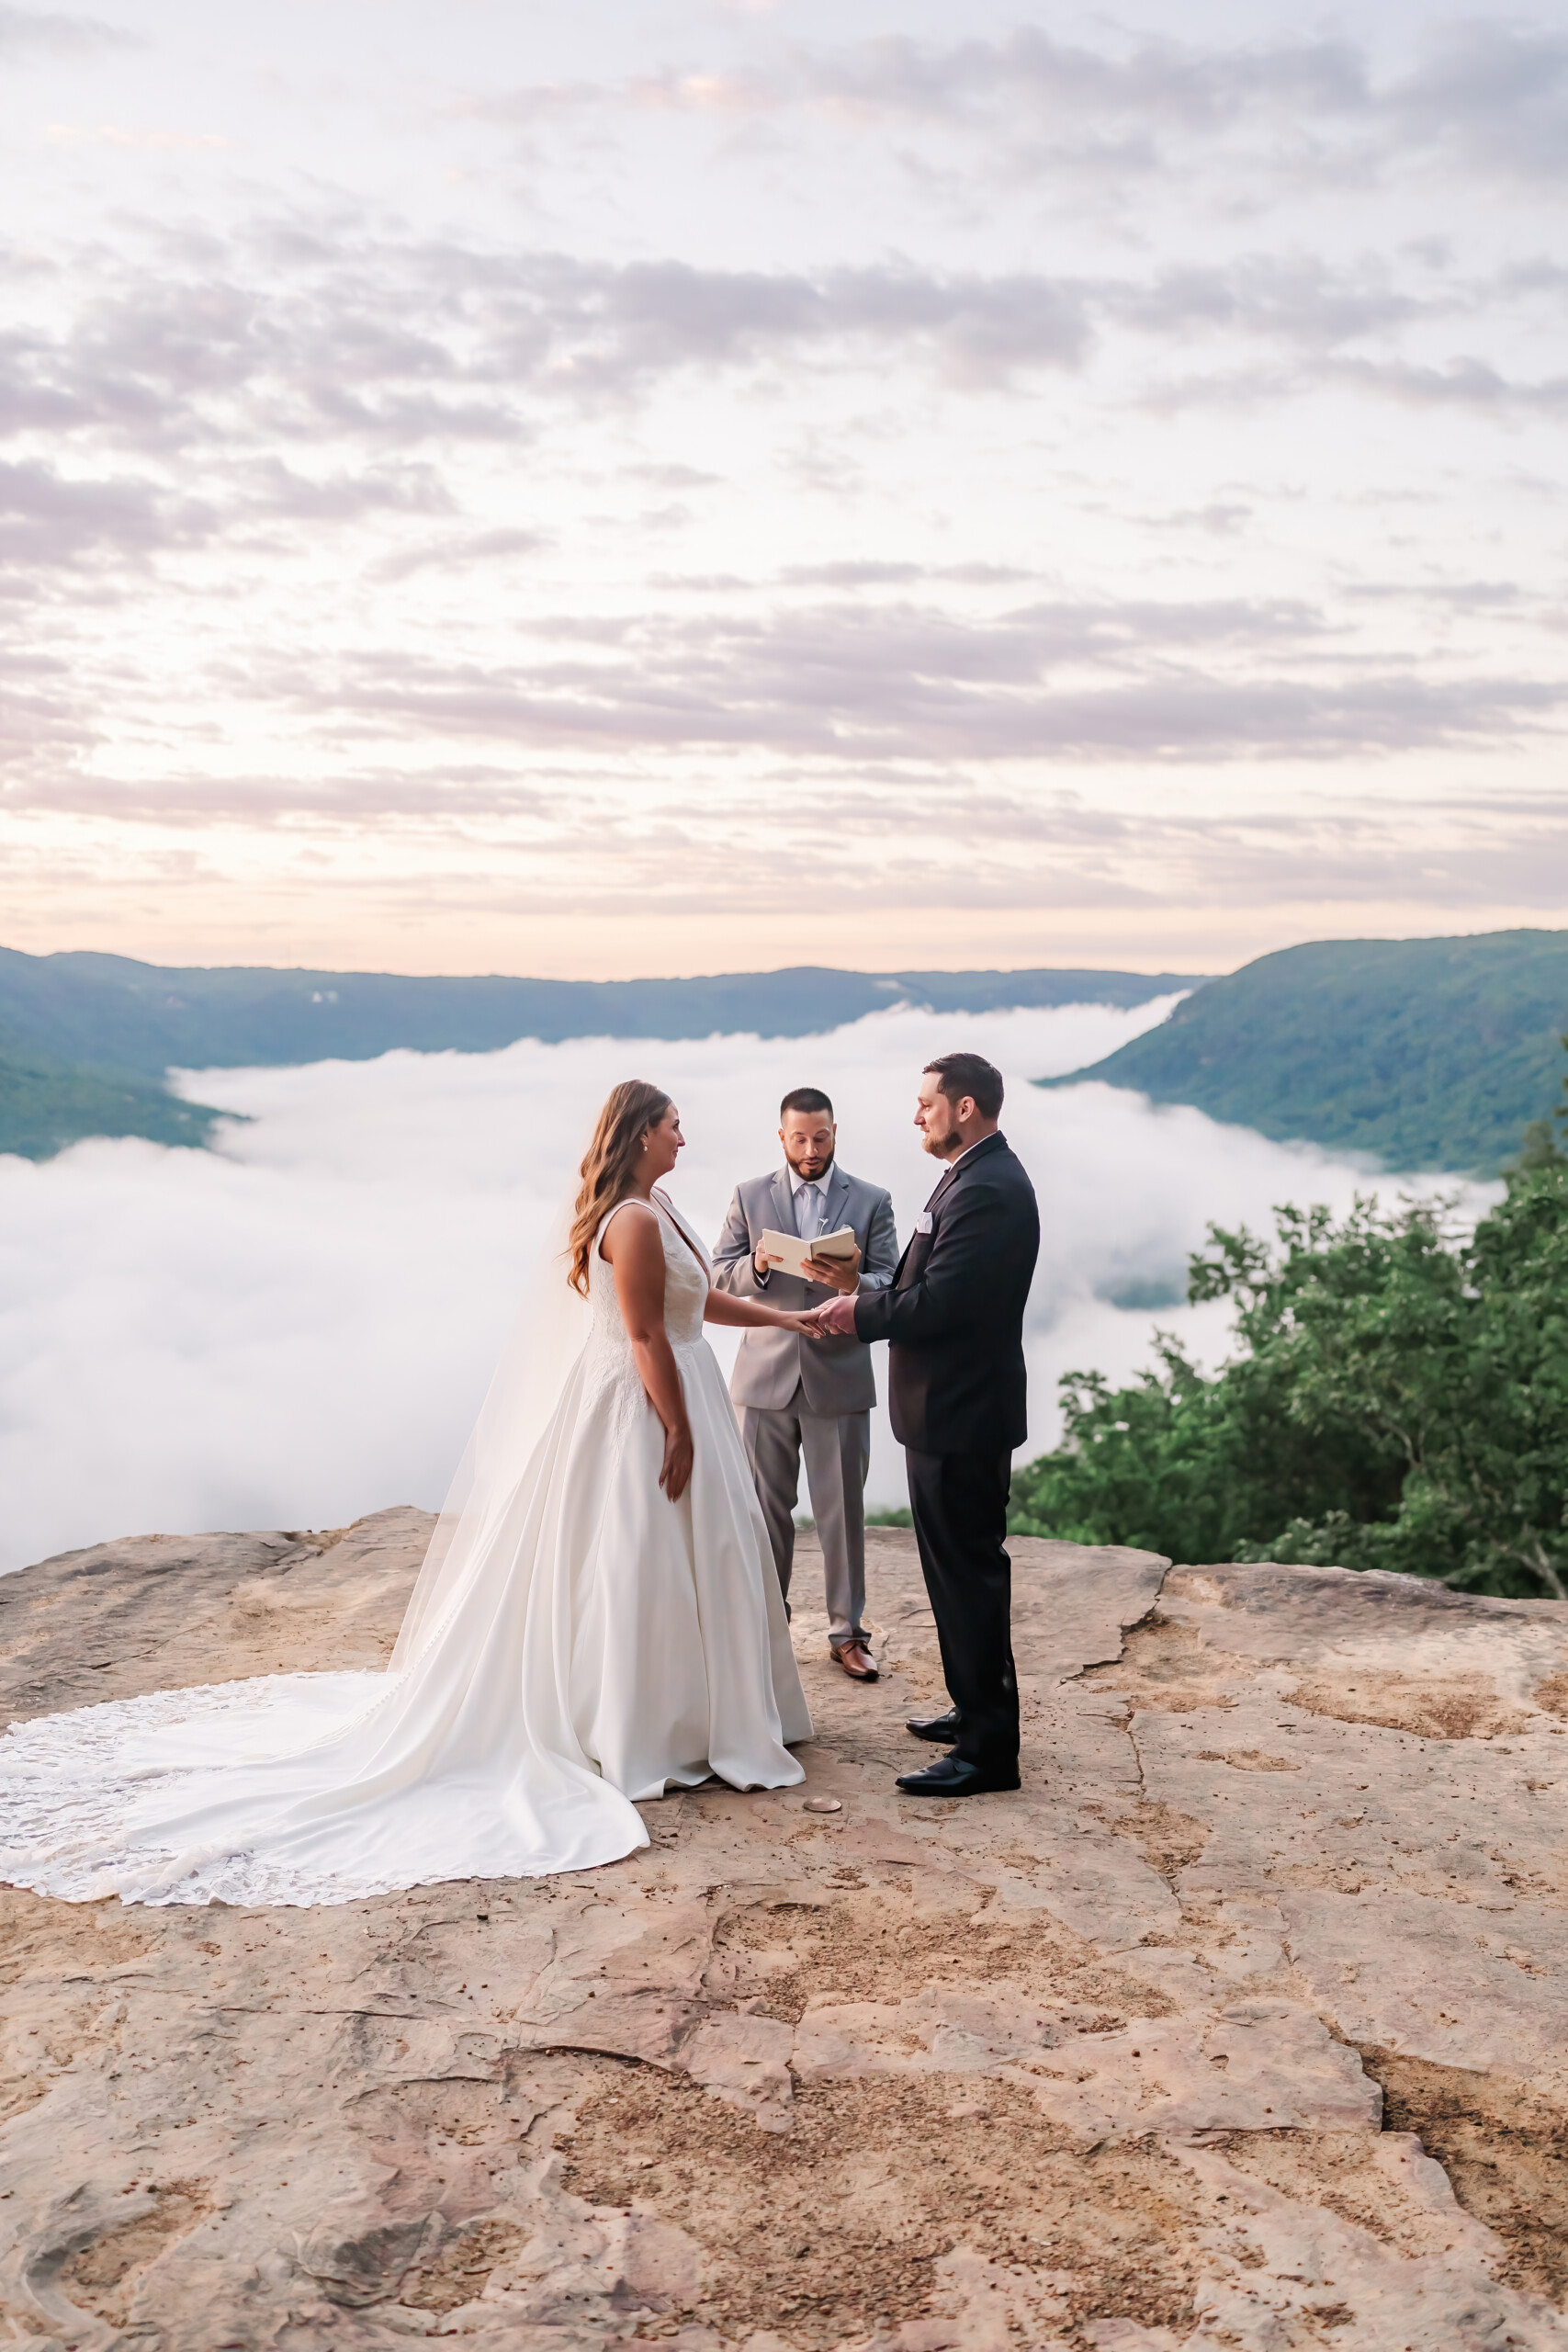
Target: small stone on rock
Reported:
[(822, 1805)]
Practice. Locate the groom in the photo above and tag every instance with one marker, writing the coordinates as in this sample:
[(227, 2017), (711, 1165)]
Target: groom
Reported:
[(955, 1315)]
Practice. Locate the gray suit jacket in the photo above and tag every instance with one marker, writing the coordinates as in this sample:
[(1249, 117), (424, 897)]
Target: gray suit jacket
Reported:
[(834, 1376)]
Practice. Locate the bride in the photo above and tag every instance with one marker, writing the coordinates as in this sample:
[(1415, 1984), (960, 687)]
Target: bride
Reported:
[(597, 1618)]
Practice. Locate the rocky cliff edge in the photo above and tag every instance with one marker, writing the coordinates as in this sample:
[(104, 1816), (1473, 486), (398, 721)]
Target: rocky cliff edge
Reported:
[(1244, 2025)]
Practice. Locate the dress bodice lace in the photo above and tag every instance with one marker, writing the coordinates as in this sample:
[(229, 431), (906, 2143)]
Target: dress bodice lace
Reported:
[(686, 1285), (608, 1363)]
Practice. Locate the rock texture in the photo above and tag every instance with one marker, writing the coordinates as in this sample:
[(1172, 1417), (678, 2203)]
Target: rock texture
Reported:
[(1244, 2024)]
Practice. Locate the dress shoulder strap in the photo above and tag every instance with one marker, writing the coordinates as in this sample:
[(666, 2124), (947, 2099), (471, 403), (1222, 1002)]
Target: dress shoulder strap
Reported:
[(627, 1201)]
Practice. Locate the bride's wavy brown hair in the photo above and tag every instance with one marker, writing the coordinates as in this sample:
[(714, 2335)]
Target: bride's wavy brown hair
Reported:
[(609, 1163)]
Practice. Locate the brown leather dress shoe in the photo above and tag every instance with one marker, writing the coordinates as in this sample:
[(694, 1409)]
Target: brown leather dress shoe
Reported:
[(857, 1662)]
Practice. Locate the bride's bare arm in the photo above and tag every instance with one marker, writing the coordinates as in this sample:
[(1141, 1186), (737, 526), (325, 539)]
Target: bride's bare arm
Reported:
[(635, 1248), (750, 1312)]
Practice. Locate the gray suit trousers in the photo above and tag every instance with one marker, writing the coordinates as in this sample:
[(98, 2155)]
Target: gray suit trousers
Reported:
[(837, 1447)]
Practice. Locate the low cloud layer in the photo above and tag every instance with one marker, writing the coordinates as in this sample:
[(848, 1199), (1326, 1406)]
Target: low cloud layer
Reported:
[(300, 1330)]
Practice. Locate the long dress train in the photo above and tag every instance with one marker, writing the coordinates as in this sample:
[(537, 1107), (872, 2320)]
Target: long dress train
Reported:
[(602, 1644)]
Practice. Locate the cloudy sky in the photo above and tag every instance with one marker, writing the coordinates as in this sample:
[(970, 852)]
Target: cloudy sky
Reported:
[(599, 488)]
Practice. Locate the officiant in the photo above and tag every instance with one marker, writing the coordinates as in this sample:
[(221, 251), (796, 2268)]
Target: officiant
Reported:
[(795, 1397)]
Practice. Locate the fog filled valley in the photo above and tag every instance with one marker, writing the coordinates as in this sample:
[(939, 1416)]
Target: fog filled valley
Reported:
[(298, 1327)]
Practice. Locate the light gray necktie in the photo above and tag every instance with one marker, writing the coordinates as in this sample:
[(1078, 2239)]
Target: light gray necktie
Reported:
[(807, 1212)]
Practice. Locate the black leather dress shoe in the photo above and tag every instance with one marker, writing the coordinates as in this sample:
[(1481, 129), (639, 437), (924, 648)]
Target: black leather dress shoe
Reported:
[(943, 1729), (950, 1777)]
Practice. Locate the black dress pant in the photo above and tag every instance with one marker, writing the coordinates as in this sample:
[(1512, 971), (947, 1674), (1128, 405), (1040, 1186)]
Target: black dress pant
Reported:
[(959, 1502)]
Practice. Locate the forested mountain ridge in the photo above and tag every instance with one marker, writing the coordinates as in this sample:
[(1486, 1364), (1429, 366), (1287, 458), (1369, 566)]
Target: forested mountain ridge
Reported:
[(85, 1039), (1430, 1053), (45, 1105)]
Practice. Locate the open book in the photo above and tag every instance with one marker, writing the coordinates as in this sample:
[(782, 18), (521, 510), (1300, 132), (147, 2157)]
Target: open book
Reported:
[(794, 1252)]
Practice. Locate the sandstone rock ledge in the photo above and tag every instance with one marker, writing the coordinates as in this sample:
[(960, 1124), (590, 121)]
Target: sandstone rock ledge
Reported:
[(1244, 2025)]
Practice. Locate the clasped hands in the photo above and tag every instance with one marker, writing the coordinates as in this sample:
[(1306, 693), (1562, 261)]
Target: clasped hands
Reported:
[(834, 1319)]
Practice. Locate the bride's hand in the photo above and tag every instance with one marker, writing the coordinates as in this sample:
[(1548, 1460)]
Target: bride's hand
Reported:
[(675, 1474), (805, 1324)]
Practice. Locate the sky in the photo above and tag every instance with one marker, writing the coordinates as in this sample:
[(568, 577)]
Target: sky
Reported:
[(598, 489), (298, 1327)]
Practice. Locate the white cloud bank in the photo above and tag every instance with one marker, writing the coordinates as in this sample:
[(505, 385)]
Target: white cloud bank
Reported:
[(299, 1328)]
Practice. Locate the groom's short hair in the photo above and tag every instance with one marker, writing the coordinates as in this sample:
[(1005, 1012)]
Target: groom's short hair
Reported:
[(957, 1075), (808, 1099)]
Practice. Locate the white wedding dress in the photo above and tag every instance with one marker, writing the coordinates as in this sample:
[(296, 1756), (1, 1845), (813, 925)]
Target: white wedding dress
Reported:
[(582, 1645)]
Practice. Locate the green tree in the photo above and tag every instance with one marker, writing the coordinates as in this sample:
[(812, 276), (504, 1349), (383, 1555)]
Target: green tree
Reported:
[(1399, 1400), (1542, 1145)]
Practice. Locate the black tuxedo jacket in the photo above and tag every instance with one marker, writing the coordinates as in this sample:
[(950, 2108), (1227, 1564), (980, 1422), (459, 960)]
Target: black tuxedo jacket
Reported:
[(954, 1313)]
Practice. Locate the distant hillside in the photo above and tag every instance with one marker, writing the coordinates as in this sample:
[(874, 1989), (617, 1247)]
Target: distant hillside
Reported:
[(1431, 1053), (84, 1039), (44, 1106)]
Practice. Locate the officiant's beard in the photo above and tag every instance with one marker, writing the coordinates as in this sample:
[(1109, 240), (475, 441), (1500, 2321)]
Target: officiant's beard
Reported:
[(809, 1167)]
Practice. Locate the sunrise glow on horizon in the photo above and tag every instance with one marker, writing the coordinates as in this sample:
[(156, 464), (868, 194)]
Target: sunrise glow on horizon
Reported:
[(709, 488)]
